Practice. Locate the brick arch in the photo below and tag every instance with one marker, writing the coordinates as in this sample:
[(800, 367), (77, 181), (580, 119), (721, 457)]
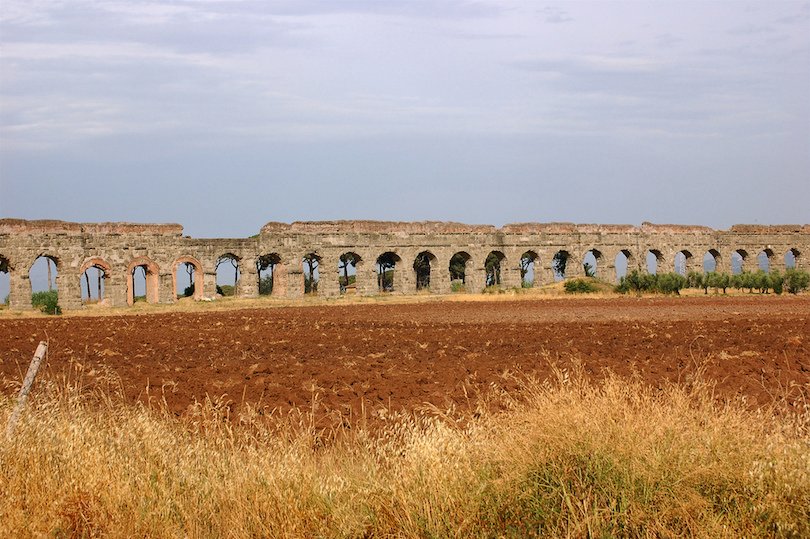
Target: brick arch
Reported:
[(199, 276), (152, 280), (106, 273), (96, 262)]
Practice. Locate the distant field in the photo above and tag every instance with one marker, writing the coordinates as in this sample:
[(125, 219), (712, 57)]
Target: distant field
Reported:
[(357, 358)]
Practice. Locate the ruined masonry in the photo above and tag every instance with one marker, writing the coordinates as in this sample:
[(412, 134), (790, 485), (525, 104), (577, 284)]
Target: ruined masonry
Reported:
[(117, 249)]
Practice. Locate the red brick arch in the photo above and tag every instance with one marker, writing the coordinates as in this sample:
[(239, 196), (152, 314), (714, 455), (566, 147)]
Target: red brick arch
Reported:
[(152, 280)]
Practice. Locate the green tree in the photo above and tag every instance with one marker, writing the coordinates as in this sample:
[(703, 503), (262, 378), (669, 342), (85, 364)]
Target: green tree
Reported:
[(311, 261), (492, 267), (559, 263), (796, 280)]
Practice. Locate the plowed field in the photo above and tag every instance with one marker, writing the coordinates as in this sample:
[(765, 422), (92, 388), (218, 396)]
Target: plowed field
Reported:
[(408, 356)]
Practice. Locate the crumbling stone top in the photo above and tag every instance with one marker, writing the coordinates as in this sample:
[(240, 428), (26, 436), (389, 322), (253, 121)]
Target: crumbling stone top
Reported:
[(675, 229), (380, 227), (50, 226), (566, 228), (769, 229)]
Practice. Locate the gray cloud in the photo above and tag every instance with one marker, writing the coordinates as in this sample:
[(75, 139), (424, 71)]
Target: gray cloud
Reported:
[(441, 110)]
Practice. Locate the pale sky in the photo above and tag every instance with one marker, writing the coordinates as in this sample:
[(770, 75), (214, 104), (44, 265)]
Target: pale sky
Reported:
[(223, 115)]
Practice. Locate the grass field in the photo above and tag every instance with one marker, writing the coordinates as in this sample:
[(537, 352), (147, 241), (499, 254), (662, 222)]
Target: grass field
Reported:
[(564, 458)]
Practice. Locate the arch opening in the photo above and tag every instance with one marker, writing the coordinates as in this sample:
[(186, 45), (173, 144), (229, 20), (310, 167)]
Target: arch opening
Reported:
[(386, 268), (187, 276), (738, 258), (764, 260), (93, 281), (559, 264), (683, 262), (528, 270), (622, 261), (347, 272), (5, 281), (458, 271), (142, 281), (311, 263), (791, 258), (422, 265), (711, 261), (492, 268), (591, 262), (228, 274), (42, 277), (654, 259), (266, 270)]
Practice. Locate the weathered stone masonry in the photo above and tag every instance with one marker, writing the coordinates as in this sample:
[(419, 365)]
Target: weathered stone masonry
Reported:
[(117, 248)]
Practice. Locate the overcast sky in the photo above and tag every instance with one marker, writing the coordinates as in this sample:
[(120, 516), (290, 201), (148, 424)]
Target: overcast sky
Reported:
[(223, 115)]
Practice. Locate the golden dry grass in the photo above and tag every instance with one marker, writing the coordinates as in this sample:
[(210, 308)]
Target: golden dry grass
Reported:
[(565, 459)]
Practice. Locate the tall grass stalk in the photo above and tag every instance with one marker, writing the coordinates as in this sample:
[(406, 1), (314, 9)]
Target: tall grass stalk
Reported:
[(569, 458)]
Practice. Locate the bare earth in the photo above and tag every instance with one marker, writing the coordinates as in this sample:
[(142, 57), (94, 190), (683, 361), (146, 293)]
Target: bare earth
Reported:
[(408, 356)]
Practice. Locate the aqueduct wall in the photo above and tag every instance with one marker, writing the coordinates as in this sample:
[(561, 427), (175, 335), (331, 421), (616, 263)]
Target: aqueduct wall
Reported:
[(117, 248)]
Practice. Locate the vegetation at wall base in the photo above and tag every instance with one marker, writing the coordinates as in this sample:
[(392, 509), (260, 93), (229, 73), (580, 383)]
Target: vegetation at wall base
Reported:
[(793, 280), (226, 290), (580, 286), (566, 458), (46, 301)]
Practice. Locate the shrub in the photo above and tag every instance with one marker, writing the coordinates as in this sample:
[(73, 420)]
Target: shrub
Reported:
[(266, 285), (776, 281), (796, 280), (225, 290), (46, 301), (695, 279), (457, 285), (670, 283), (189, 291), (579, 286)]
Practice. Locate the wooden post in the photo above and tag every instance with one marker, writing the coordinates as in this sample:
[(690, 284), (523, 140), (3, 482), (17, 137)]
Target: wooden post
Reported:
[(33, 368)]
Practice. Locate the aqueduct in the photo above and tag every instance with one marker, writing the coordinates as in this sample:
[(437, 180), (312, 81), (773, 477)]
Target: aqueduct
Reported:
[(399, 257)]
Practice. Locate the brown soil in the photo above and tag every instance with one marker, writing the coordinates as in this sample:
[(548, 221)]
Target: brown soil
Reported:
[(362, 358)]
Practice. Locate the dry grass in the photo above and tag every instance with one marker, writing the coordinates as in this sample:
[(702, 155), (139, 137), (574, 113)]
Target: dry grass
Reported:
[(567, 458)]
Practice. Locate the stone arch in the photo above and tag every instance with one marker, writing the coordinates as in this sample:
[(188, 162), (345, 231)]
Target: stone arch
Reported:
[(349, 264), (738, 259), (593, 262), (37, 272), (493, 268), (222, 279), (386, 271), (764, 259), (683, 262), (422, 268), (268, 270), (711, 260), (5, 280), (459, 268), (310, 268), (560, 264), (151, 274), (654, 260), (791, 258), (103, 274), (624, 262), (529, 270), (196, 278)]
